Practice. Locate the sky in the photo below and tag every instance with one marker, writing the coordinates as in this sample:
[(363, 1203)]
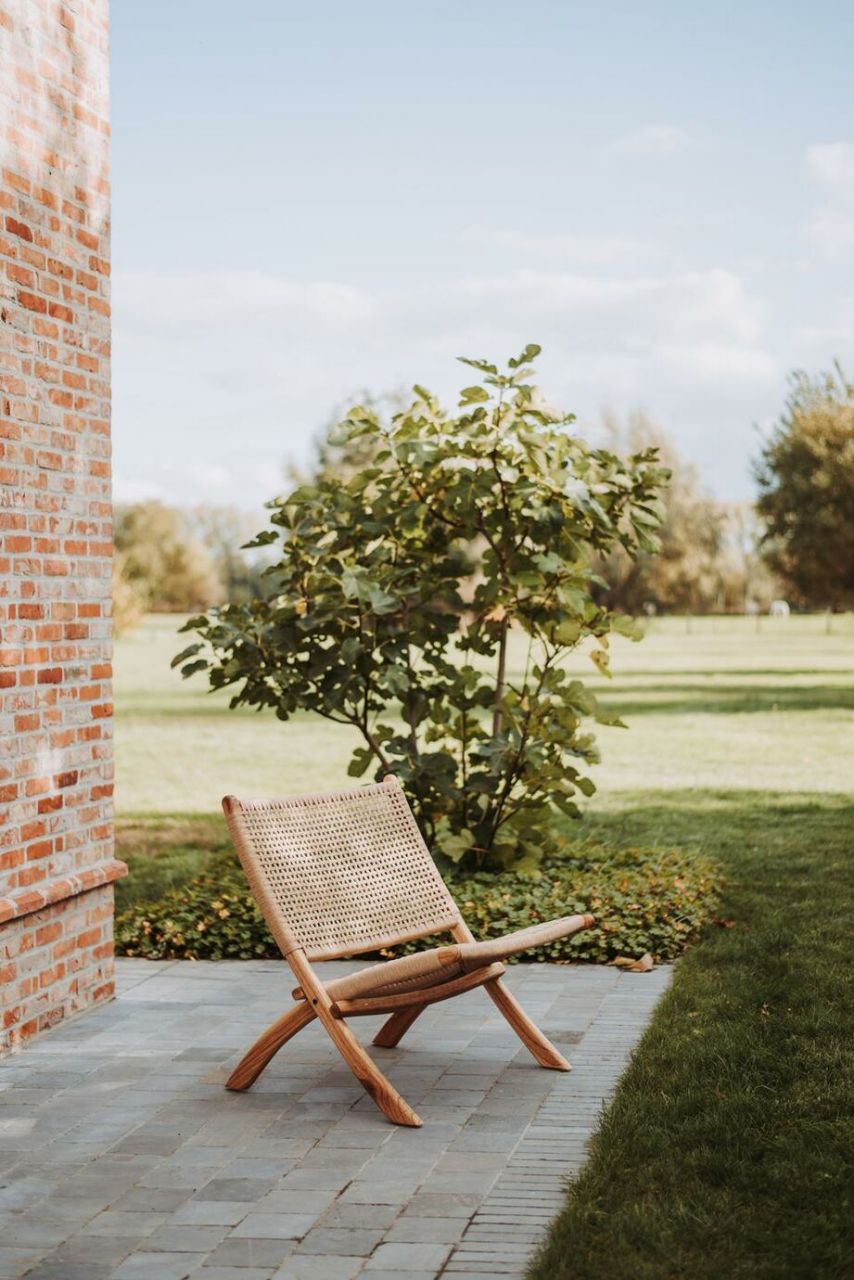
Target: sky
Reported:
[(314, 200)]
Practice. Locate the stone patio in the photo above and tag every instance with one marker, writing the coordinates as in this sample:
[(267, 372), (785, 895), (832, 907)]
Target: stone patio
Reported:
[(122, 1156)]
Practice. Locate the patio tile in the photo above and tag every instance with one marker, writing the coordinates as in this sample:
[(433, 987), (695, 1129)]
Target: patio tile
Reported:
[(275, 1226), (342, 1241), (249, 1253), (211, 1213), (124, 1161), (234, 1189), (157, 1266), (429, 1258), (320, 1269), (234, 1273)]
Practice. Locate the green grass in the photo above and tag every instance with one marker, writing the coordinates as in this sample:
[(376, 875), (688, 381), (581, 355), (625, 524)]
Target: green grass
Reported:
[(722, 706), (164, 851), (729, 1148), (727, 1151)]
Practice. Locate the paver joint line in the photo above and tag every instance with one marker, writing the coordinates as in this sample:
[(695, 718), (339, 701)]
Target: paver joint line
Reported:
[(123, 1159)]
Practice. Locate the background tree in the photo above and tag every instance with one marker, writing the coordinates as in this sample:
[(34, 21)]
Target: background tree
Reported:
[(224, 531), (687, 574), (366, 623), (805, 474), (129, 601), (172, 570), (750, 583)]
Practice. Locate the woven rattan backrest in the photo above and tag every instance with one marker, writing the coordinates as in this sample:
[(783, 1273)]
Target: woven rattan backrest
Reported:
[(340, 873)]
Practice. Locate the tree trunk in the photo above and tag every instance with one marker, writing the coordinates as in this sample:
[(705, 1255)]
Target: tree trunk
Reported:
[(499, 679)]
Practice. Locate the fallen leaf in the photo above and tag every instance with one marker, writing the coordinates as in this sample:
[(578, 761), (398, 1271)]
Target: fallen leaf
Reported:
[(724, 924), (635, 966)]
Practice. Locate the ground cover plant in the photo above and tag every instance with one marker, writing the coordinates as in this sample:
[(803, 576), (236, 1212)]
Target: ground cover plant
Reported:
[(394, 588), (646, 901)]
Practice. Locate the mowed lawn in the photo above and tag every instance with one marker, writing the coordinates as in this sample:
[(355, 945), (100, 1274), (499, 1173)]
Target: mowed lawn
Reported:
[(727, 1151), (722, 703)]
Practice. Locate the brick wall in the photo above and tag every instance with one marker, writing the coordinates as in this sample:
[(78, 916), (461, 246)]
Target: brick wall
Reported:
[(56, 850)]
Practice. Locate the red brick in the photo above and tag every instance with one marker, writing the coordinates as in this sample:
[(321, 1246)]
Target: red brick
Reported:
[(55, 534), (31, 301), (19, 229)]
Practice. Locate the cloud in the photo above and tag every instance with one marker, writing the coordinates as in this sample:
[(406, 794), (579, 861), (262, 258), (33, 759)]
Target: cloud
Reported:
[(568, 250), (830, 165), (222, 377), (654, 140)]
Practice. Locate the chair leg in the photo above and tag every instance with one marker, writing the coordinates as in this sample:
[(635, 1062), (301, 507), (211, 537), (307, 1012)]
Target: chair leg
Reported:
[(368, 1073), (389, 1101), (395, 1028), (530, 1035), (253, 1063)]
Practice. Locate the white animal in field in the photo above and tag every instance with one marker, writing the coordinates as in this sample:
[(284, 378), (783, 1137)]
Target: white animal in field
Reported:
[(779, 609)]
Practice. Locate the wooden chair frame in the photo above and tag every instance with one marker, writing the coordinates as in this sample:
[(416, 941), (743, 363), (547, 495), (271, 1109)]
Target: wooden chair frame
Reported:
[(318, 1000)]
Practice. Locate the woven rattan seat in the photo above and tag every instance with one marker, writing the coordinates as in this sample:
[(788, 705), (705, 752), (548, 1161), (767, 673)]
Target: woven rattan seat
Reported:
[(348, 872)]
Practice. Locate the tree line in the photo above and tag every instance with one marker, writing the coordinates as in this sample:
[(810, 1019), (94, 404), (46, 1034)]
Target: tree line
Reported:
[(795, 542)]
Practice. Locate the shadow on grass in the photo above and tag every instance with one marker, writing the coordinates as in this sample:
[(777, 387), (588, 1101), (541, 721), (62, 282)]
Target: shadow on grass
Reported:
[(727, 1151), (164, 851), (714, 698)]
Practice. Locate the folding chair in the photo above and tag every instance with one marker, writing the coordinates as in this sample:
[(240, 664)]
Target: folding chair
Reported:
[(349, 872)]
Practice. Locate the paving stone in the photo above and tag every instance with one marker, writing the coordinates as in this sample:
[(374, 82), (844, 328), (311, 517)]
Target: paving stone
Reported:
[(212, 1213), (426, 1230), (408, 1257), (305, 1268), (114, 1222), (124, 1162), (314, 1202), (154, 1199), (314, 1180), (234, 1189), (14, 1260), (428, 1204), (185, 1239), (33, 1232), (47, 1270), (234, 1273), (275, 1226), (346, 1241), (158, 1266), (341, 1214), (247, 1253)]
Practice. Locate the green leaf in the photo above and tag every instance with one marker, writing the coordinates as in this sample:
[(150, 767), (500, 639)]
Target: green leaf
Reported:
[(483, 365), (530, 353), (629, 627), (360, 762), (190, 650), (192, 667), (473, 395)]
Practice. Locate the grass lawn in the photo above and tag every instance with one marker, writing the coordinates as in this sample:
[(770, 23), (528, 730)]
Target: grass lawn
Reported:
[(729, 1148), (727, 1151), (721, 706)]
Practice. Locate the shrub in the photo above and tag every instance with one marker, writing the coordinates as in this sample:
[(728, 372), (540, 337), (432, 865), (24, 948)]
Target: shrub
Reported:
[(643, 901), (394, 590)]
